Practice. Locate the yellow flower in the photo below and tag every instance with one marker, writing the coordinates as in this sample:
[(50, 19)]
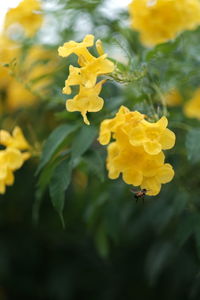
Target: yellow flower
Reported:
[(173, 98), (77, 48), (161, 20), (11, 158), (87, 100), (136, 152), (34, 76), (153, 137), (152, 184), (27, 14), (192, 107), (17, 140), (91, 67), (8, 52)]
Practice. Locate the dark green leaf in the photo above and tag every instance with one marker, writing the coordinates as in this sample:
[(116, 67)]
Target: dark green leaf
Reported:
[(193, 145), (58, 185), (95, 163), (53, 142), (83, 141)]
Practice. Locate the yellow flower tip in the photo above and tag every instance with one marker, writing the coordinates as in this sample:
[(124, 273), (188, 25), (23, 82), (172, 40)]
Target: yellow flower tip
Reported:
[(85, 119), (5, 137), (19, 140), (67, 90), (26, 155), (2, 188), (99, 47), (89, 40), (163, 122)]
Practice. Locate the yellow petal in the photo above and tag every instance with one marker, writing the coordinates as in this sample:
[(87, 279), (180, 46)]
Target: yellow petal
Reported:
[(105, 133), (99, 47), (132, 176), (5, 137), (152, 147), (167, 139), (13, 158), (165, 174), (113, 173), (26, 155), (137, 136), (2, 187), (71, 106), (163, 122), (85, 119), (3, 172), (151, 185), (9, 180), (20, 141)]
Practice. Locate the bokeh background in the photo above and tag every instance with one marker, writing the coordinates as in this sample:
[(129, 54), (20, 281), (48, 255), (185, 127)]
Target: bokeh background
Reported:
[(112, 247)]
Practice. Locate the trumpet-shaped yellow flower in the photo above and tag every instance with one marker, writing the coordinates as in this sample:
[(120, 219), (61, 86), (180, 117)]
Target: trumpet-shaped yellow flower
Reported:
[(153, 137), (77, 48), (33, 76), (16, 140), (87, 100), (86, 76), (136, 152), (192, 107), (27, 14), (162, 20)]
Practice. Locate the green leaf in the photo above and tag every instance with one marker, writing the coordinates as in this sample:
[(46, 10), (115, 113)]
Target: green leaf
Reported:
[(53, 142), (83, 141), (101, 241), (58, 185), (95, 164), (193, 145)]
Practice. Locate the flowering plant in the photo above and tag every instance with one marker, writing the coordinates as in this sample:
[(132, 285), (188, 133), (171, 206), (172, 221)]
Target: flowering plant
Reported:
[(99, 120)]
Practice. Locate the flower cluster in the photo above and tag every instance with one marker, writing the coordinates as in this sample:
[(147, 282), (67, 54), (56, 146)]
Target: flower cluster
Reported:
[(87, 100), (158, 21), (13, 156), (192, 107), (137, 149), (27, 15)]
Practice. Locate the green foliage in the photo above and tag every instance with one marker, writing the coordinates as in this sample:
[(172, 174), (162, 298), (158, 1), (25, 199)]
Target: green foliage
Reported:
[(58, 185), (192, 145), (54, 141)]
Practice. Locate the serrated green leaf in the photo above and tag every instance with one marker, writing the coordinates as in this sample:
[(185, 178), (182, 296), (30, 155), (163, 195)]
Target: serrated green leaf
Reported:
[(193, 145), (58, 185), (83, 141), (53, 142)]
